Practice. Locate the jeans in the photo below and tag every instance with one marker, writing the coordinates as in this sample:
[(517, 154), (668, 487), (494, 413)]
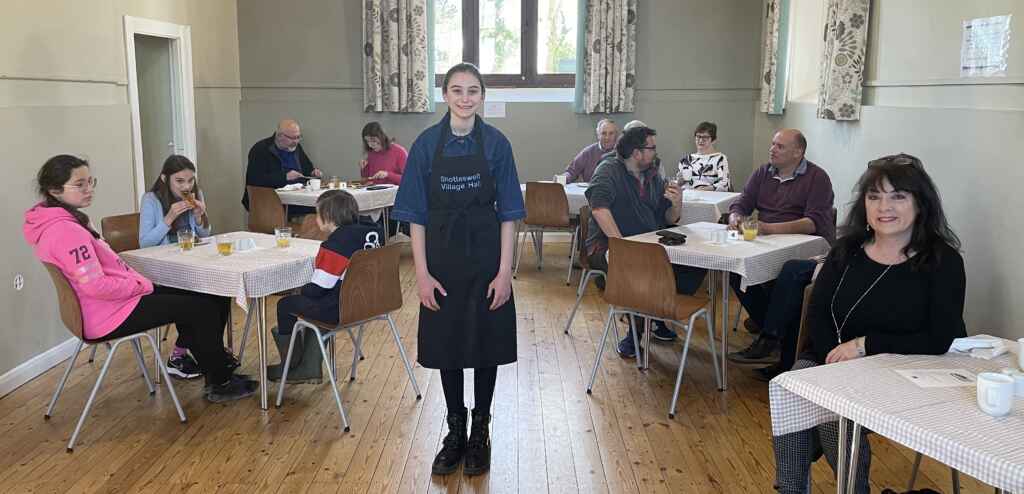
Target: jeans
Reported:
[(291, 306), (775, 305)]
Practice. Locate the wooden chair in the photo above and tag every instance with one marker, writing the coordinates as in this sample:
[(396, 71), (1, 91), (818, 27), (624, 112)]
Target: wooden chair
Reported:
[(121, 231), (588, 271), (71, 315), (370, 291), (266, 211), (547, 209), (641, 283)]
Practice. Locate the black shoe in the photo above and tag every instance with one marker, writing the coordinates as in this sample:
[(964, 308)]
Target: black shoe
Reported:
[(764, 349), (751, 326), (183, 367), (662, 333), (231, 360), (235, 388), (625, 347), (234, 377), (478, 449), (599, 281), (768, 373), (448, 459)]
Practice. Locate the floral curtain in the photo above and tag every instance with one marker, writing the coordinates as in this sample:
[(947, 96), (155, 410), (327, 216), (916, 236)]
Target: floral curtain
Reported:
[(395, 56), (842, 63), (773, 69), (606, 78)]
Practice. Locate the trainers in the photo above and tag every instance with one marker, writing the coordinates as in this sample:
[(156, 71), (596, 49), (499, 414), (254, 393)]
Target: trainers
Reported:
[(766, 374), (183, 367), (763, 350), (751, 326), (661, 332), (231, 360), (625, 347), (235, 388)]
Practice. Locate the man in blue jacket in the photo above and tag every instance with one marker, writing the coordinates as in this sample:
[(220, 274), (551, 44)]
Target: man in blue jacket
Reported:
[(278, 161)]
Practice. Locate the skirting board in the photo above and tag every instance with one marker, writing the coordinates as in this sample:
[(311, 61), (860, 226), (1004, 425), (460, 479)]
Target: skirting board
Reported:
[(36, 366)]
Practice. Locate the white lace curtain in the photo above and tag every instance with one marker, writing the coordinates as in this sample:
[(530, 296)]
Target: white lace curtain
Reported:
[(396, 75)]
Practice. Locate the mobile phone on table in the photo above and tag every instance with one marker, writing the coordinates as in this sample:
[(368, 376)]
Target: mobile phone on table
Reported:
[(671, 235)]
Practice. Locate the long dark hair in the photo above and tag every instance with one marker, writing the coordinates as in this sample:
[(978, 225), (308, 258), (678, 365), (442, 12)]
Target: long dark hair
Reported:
[(374, 129), (931, 230), (52, 176), (162, 185)]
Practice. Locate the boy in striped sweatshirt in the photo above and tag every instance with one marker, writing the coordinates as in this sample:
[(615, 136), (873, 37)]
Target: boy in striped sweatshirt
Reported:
[(337, 213)]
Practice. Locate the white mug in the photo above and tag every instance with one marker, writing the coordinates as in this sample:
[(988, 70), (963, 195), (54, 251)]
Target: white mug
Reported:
[(560, 178), (314, 184), (1020, 353), (995, 393)]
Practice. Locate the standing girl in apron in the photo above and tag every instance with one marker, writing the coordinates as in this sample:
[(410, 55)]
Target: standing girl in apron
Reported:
[(461, 194)]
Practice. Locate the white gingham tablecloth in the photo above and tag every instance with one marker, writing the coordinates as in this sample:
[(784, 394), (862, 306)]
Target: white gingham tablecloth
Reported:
[(242, 275), (368, 200), (698, 205), (943, 423), (756, 262)]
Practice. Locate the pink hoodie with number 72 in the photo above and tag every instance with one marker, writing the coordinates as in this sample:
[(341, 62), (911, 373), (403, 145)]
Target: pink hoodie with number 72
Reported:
[(107, 288)]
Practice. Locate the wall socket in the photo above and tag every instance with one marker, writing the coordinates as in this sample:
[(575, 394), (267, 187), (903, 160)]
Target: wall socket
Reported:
[(19, 282)]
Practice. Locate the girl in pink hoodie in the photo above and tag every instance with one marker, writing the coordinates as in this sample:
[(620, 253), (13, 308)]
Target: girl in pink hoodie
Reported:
[(116, 300)]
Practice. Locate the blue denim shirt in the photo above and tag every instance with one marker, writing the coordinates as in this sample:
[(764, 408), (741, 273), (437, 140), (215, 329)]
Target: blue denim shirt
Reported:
[(411, 203)]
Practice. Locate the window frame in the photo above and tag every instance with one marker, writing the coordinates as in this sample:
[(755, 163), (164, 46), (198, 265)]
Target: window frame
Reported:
[(527, 76)]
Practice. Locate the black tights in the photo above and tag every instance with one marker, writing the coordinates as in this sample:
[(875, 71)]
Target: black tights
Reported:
[(483, 388)]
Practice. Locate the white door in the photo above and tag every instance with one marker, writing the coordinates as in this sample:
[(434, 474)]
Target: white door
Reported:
[(156, 105)]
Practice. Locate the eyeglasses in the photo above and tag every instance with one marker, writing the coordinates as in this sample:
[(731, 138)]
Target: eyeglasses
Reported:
[(652, 148), (897, 159), (91, 184), (702, 137)]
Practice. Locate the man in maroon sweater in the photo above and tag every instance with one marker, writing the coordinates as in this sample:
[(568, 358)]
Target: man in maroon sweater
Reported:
[(791, 195)]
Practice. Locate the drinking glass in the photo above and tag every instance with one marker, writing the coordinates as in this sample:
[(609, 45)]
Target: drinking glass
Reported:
[(186, 239), (225, 245), (749, 227), (284, 236)]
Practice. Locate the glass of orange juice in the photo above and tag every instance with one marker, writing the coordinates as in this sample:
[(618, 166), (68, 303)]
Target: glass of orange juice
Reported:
[(225, 245), (186, 239), (284, 237), (749, 228)]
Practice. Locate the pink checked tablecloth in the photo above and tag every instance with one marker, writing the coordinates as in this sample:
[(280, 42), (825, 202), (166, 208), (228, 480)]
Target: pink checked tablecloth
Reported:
[(943, 423), (242, 275)]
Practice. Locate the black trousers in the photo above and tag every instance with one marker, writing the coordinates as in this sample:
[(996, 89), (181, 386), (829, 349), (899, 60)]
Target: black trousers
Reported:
[(484, 380), (302, 305), (199, 318)]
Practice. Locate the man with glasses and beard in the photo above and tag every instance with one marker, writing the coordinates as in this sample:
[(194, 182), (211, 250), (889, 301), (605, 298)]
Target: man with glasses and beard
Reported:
[(279, 160)]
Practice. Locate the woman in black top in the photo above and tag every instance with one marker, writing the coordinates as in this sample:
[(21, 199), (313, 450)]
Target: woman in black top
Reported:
[(893, 284)]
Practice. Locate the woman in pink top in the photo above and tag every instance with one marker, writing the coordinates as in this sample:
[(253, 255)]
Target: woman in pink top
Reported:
[(116, 300), (385, 159)]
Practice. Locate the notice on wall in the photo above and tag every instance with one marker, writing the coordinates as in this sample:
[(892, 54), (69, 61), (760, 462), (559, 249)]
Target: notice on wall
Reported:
[(986, 42), (494, 109)]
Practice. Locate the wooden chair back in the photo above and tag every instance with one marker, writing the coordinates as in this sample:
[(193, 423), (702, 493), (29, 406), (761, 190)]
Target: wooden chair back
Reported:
[(70, 309), (121, 231), (803, 338), (640, 278), (371, 286), (266, 211), (546, 205), (309, 229)]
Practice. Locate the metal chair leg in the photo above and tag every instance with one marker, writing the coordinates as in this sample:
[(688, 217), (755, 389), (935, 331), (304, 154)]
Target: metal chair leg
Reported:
[(245, 330), (711, 346), (584, 278), (92, 355), (636, 341), (682, 366), (230, 331), (405, 359), (64, 379), (955, 474), (913, 471), (600, 349), (736, 320), (538, 245), (572, 255), (92, 395), (521, 240), (355, 355), (167, 379), (334, 382), (142, 365), (299, 326), (157, 356)]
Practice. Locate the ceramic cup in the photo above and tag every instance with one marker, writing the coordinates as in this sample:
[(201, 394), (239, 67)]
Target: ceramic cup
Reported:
[(314, 184), (995, 393)]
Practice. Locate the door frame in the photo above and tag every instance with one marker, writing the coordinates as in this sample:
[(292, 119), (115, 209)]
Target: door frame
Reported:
[(182, 90)]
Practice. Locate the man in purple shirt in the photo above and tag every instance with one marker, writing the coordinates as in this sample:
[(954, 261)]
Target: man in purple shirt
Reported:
[(791, 195), (582, 167)]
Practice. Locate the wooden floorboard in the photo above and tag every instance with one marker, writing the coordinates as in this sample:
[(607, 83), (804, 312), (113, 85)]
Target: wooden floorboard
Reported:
[(548, 434)]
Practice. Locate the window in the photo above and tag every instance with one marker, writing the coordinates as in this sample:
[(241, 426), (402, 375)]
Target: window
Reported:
[(516, 43)]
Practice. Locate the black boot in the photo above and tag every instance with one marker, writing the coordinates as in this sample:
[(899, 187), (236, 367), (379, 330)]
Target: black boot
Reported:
[(448, 459), (478, 449)]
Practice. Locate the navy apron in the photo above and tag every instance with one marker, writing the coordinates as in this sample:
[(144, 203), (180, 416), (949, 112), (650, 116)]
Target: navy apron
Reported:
[(463, 248)]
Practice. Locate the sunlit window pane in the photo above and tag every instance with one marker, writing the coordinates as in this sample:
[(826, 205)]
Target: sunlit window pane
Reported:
[(556, 36), (500, 32), (447, 34)]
